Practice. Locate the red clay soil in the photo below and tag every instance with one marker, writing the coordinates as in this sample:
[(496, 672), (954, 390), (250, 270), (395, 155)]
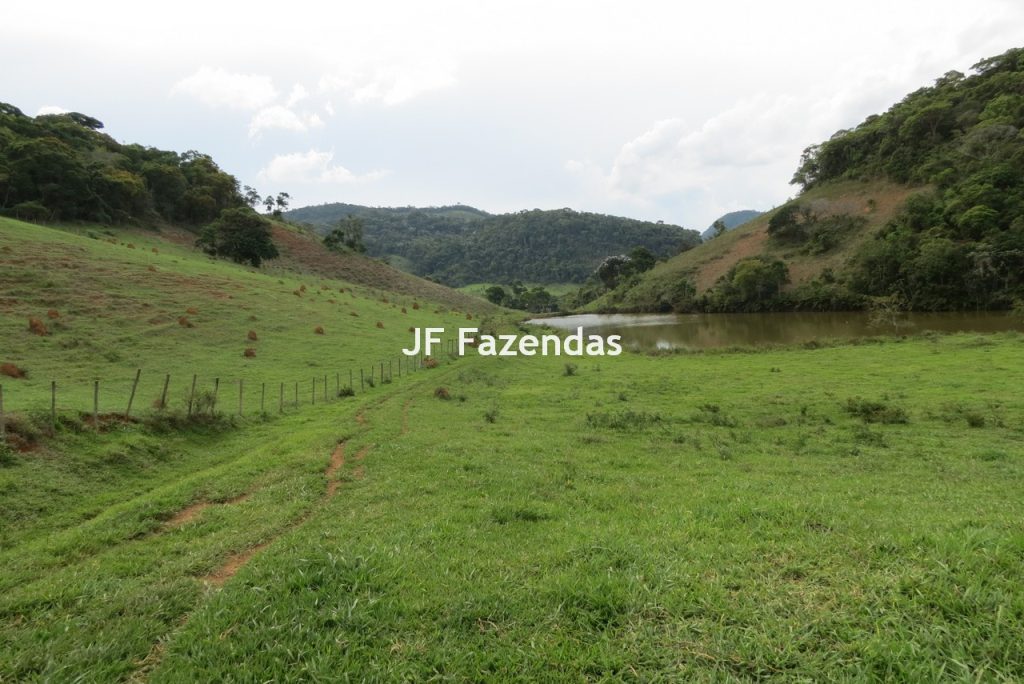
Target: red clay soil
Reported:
[(235, 563), (187, 514), (337, 461)]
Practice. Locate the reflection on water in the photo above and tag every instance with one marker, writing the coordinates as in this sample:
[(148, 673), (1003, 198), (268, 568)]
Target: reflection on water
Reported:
[(702, 331)]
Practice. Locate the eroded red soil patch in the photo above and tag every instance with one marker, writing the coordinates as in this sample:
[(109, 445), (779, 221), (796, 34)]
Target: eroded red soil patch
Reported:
[(187, 514), (235, 563)]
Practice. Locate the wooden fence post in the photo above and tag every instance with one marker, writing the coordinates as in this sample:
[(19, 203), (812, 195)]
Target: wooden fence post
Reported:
[(131, 397), (53, 405), (192, 395), (325, 388), (280, 400), (351, 385), (263, 394), (361, 388), (337, 384), (3, 425), (296, 394), (240, 396), (314, 392), (96, 405), (163, 395), (216, 391)]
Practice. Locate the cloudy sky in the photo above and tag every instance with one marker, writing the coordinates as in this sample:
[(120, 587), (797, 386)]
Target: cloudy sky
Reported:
[(656, 110)]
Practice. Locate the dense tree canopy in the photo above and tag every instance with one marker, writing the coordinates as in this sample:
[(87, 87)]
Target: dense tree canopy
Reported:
[(459, 245), (959, 244), (239, 234), (61, 167)]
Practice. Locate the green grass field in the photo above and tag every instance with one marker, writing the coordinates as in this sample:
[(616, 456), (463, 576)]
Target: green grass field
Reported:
[(837, 513)]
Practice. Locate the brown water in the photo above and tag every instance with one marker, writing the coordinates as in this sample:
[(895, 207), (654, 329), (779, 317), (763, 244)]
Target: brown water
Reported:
[(704, 331)]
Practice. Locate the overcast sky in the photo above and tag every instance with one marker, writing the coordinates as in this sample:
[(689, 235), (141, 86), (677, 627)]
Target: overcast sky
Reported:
[(654, 110)]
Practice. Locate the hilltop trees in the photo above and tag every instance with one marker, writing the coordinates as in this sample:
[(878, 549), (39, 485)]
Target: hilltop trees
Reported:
[(347, 234), (62, 167), (961, 244)]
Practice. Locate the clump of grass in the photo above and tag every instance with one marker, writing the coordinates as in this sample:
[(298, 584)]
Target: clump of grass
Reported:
[(380, 324), (865, 435), (184, 322), (346, 392), (192, 311), (319, 330), (503, 515), (491, 415), (570, 370), (252, 336), (249, 353), (623, 420), (430, 362), (7, 455), (875, 411), (53, 314), (37, 327), (442, 393)]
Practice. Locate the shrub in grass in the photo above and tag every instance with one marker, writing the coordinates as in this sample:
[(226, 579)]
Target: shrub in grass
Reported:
[(346, 392), (37, 327), (430, 362), (875, 411), (415, 305), (442, 393), (252, 335), (623, 420), (503, 515), (570, 370), (7, 457), (380, 324), (249, 353), (184, 322), (403, 310), (319, 330), (491, 415), (353, 313)]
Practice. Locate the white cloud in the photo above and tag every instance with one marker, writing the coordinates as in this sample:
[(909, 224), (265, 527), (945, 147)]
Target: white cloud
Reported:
[(314, 166), (390, 84), (277, 116), (51, 109), (220, 88), (298, 94)]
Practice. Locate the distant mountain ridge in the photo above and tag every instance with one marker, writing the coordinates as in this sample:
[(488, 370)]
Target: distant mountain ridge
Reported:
[(734, 219), (460, 245)]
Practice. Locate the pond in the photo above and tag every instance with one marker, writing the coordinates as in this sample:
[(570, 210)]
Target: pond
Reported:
[(705, 331)]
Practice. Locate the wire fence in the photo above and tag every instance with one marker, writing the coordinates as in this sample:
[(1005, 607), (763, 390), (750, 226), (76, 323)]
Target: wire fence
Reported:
[(99, 401)]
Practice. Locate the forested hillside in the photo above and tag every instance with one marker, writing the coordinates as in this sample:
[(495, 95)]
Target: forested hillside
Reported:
[(458, 245), (921, 207), (62, 167)]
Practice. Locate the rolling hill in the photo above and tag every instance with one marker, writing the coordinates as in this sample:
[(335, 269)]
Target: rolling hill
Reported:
[(921, 207), (731, 220), (459, 245)]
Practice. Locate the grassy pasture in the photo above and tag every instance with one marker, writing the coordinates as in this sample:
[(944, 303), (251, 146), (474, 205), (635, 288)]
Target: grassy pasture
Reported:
[(844, 512)]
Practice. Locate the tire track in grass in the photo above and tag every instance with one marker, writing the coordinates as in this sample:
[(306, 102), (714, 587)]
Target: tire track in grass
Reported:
[(239, 560)]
